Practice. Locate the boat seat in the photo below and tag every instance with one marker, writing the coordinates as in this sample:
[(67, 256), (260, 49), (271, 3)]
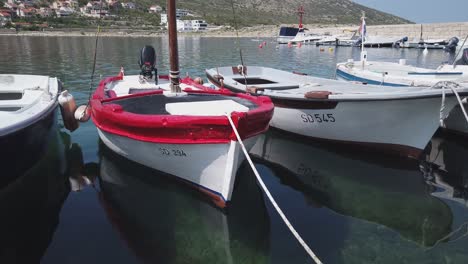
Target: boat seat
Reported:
[(205, 108), (28, 98), (141, 90)]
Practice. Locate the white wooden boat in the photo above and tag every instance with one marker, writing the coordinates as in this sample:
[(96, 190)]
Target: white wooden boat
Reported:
[(28, 105), (401, 74), (177, 127), (401, 120), (186, 135)]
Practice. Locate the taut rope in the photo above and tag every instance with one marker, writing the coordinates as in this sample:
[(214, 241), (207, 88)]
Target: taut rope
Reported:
[(270, 197)]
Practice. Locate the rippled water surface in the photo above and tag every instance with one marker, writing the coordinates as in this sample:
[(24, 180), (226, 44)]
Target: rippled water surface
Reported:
[(349, 206)]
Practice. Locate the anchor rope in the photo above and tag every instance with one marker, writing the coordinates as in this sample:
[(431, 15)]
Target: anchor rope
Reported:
[(452, 86), (241, 66), (94, 57), (270, 197)]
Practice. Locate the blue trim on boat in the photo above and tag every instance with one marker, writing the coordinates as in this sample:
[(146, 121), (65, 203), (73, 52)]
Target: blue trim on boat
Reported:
[(435, 73), (353, 78)]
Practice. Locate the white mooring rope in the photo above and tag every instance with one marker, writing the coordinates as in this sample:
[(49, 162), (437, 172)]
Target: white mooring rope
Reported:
[(272, 200), (449, 85)]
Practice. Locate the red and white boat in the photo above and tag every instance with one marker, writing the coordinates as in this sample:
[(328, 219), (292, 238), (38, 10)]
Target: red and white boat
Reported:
[(178, 128)]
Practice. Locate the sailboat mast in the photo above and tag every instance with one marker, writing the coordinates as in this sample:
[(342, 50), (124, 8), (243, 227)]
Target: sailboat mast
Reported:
[(173, 49)]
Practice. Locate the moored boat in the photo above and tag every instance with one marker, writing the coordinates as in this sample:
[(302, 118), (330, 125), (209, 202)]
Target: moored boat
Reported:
[(28, 105), (401, 74), (177, 127), (398, 120)]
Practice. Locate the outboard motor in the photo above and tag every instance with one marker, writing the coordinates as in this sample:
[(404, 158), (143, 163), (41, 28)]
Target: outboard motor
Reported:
[(147, 63), (452, 45), (398, 43), (464, 58), (358, 42)]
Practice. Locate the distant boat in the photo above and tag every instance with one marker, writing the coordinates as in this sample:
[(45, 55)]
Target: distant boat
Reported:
[(28, 115), (401, 74), (177, 127), (380, 42), (423, 44), (397, 120), (287, 33)]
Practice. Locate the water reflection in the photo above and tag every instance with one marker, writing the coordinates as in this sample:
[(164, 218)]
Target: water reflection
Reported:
[(30, 207), (449, 177), (379, 189), (161, 221)]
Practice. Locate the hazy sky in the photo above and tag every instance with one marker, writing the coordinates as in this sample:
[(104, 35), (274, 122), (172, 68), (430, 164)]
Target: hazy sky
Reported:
[(423, 11)]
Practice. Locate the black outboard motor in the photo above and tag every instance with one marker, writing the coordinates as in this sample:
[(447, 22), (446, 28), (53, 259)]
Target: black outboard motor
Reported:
[(147, 63), (358, 43), (464, 58), (398, 43), (452, 45)]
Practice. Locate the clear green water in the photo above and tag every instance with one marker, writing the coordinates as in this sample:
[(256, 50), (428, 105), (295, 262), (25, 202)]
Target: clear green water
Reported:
[(350, 206)]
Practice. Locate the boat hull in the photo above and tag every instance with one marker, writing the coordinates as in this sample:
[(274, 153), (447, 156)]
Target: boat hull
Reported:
[(399, 126), (455, 122), (209, 167), (21, 149)]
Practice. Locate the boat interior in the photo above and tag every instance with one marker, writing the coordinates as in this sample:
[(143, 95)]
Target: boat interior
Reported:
[(156, 99)]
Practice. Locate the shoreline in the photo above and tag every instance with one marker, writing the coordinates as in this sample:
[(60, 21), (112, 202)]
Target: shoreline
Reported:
[(435, 30)]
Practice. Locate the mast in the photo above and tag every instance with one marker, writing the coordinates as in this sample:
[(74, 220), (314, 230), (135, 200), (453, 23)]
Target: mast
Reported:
[(363, 33), (173, 49), (301, 12)]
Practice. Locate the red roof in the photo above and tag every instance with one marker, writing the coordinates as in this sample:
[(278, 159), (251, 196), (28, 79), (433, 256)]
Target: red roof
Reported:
[(5, 14)]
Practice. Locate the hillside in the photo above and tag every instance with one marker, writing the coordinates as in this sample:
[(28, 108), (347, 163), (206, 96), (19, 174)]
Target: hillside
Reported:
[(274, 12)]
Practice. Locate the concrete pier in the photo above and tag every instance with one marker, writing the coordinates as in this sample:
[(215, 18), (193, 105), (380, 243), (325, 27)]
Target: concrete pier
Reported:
[(430, 31)]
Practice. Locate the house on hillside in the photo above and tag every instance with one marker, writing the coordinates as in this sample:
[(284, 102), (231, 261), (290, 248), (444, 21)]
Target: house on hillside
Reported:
[(155, 9), (45, 12), (73, 4), (129, 5), (180, 13), (5, 18), (95, 9), (191, 25), (25, 12), (11, 6), (199, 25), (64, 12)]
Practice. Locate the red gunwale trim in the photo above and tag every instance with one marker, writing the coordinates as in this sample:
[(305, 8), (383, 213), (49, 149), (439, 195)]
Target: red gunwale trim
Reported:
[(179, 129)]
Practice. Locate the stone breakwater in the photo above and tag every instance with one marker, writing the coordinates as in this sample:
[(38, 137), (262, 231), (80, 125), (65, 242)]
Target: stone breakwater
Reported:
[(430, 31)]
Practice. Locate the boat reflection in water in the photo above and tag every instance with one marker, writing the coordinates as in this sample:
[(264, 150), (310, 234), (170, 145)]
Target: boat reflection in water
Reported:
[(450, 156), (449, 175), (163, 221), (30, 206), (380, 189)]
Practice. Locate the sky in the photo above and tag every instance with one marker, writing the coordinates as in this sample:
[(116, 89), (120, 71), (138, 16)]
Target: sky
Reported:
[(423, 11)]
